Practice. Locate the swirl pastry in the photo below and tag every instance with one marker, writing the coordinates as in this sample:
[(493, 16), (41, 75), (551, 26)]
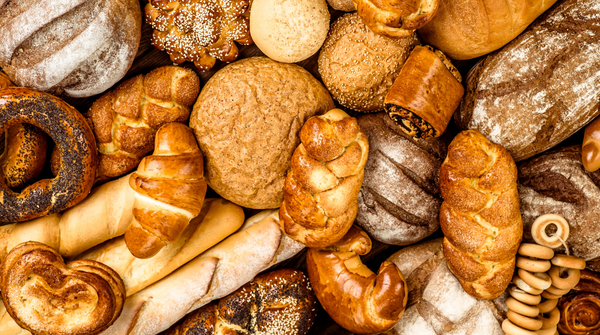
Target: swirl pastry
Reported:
[(199, 31), (580, 309), (45, 296)]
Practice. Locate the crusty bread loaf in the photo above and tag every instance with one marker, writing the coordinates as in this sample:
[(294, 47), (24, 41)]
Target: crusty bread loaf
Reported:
[(400, 199), (480, 214), (540, 88), (465, 29), (78, 47)]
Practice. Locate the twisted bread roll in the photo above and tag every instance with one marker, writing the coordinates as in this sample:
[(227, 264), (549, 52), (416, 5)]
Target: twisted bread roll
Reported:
[(170, 189), (580, 309), (278, 302), (327, 170), (45, 296), (125, 119), (480, 214), (396, 18)]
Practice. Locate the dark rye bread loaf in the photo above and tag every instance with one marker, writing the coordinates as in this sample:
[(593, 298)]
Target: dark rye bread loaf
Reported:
[(543, 86), (557, 183), (400, 197)]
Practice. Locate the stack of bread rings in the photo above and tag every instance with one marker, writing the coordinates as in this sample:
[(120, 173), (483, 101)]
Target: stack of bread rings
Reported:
[(541, 274)]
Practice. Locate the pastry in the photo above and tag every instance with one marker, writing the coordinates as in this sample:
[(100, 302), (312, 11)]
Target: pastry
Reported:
[(580, 309), (358, 66), (78, 47), (199, 31), (395, 18), (247, 135), (170, 189), (590, 150), (321, 189), (76, 146)]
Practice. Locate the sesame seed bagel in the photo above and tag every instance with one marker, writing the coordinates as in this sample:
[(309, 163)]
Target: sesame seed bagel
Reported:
[(77, 148)]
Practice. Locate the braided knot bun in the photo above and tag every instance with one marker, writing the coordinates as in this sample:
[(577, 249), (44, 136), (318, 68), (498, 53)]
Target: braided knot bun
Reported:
[(480, 214), (395, 18), (327, 170)]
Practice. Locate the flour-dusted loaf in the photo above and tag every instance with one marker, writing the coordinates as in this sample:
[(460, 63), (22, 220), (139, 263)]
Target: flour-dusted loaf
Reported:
[(543, 86), (400, 197), (78, 47)]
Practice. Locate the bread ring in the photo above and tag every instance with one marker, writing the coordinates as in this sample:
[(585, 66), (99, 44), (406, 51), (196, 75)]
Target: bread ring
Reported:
[(550, 296), (571, 262), (569, 282), (77, 148), (520, 283), (551, 320), (538, 230), (557, 291), (512, 329), (547, 305), (535, 251), (533, 265), (521, 308), (524, 321), (24, 154), (535, 279), (547, 331), (523, 296)]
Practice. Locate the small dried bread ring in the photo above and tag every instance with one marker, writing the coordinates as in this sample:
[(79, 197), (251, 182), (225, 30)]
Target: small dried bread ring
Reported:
[(533, 265), (547, 305), (521, 308), (535, 251), (537, 280), (569, 282), (550, 296), (77, 148), (524, 321), (520, 283), (552, 319), (557, 291), (538, 230), (547, 331), (523, 296), (566, 261), (512, 329)]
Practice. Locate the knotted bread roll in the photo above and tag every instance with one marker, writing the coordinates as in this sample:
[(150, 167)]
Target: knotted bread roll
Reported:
[(480, 214), (396, 18), (170, 189), (327, 170)]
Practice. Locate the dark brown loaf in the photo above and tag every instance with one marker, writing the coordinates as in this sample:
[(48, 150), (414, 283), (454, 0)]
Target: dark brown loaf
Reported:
[(543, 86), (400, 197), (78, 47)]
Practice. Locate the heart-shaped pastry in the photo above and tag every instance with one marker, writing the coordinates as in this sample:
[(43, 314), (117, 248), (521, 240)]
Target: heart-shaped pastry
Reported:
[(45, 296)]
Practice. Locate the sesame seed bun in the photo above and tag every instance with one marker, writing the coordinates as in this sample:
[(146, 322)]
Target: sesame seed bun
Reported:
[(289, 31), (358, 66)]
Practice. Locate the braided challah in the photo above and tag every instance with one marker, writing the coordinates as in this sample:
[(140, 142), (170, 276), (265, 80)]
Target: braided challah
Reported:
[(480, 214), (170, 189), (327, 170), (396, 18)]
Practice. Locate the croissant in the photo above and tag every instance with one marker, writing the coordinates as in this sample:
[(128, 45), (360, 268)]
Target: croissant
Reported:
[(170, 189)]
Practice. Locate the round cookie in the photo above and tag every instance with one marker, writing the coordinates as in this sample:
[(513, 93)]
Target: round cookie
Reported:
[(358, 66), (247, 120)]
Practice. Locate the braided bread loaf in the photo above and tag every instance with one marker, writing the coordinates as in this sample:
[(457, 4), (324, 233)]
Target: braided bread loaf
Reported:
[(170, 189), (395, 18), (199, 31), (327, 170), (125, 119), (480, 214)]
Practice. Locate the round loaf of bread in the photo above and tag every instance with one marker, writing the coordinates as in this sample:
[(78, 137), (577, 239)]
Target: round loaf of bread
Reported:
[(358, 66), (289, 31), (400, 199), (247, 121), (78, 47)]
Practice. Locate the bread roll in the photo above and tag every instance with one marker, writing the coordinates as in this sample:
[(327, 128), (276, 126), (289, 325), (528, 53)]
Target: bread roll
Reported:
[(359, 66), (540, 88), (465, 29), (396, 19), (78, 47), (247, 121), (590, 150), (400, 199)]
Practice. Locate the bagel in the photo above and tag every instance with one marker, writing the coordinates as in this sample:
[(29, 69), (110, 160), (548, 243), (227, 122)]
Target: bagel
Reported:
[(77, 148)]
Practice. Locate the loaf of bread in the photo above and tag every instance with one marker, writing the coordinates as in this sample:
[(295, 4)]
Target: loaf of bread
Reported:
[(400, 199), (125, 119), (556, 182), (465, 29), (169, 189), (540, 88), (437, 304), (480, 214), (277, 302), (78, 47)]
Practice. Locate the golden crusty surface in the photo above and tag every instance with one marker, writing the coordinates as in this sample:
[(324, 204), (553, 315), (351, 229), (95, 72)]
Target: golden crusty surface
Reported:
[(396, 18), (45, 296), (247, 121), (480, 214)]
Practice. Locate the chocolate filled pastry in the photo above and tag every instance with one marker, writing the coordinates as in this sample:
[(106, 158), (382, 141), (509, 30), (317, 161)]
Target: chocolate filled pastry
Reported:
[(76, 146), (45, 296), (278, 302), (580, 309), (394, 18), (199, 31), (426, 93)]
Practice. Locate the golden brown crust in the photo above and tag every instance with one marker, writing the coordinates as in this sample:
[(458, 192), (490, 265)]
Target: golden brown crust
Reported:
[(5, 81), (480, 214), (327, 170), (45, 296), (590, 150), (24, 155), (396, 18), (170, 189), (75, 143), (125, 119), (355, 297)]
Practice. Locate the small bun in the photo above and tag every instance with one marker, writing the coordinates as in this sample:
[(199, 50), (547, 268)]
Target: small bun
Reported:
[(358, 66)]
